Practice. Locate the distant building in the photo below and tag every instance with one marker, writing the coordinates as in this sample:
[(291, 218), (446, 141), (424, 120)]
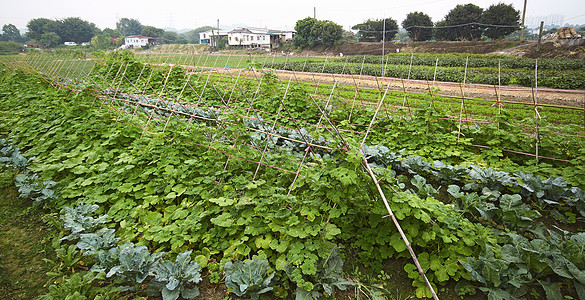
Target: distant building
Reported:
[(210, 36), (137, 41), (259, 37)]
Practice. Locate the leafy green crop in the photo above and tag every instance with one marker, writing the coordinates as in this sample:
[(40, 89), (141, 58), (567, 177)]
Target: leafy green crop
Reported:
[(175, 278), (183, 177), (77, 220), (135, 263), (249, 278), (326, 278)]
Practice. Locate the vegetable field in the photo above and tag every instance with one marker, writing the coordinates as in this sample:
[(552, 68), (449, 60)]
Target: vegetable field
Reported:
[(168, 174)]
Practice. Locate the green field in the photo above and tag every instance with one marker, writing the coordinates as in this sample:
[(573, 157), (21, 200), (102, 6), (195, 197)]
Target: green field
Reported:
[(288, 180)]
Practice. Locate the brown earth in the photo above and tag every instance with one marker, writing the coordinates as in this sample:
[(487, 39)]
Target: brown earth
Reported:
[(363, 48), (569, 48)]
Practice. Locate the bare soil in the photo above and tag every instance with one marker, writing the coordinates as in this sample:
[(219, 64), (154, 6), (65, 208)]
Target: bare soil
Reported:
[(568, 48), (363, 48)]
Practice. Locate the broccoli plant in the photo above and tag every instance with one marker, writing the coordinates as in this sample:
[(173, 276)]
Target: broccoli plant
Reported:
[(134, 263), (173, 279), (104, 238), (250, 277), (29, 187), (77, 220)]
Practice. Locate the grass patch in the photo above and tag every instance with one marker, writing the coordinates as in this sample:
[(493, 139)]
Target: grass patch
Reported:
[(25, 239)]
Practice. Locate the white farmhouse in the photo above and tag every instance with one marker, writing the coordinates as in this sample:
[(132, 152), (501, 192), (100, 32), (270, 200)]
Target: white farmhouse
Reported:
[(250, 37), (137, 41), (259, 37)]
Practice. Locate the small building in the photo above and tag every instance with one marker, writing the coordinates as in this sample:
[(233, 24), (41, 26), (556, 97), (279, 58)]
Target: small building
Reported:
[(211, 36), (137, 41), (281, 36), (249, 37), (259, 37)]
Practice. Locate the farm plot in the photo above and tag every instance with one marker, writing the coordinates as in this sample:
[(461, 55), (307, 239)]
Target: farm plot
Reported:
[(245, 169)]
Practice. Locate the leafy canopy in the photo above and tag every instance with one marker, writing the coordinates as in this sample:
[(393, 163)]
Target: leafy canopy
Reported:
[(500, 14), (129, 26), (463, 20), (312, 32), (373, 30), (419, 26)]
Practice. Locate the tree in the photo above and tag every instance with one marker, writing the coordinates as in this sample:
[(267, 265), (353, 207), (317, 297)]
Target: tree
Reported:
[(463, 22), (441, 32), (419, 26), (11, 33), (101, 41), (76, 30), (312, 32), (128, 27), (373, 30), (192, 36), (171, 37), (112, 33), (152, 31), (500, 14), (50, 39), (330, 32), (38, 27)]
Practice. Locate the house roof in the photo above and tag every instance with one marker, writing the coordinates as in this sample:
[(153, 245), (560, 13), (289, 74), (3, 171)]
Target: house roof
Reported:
[(138, 36), (253, 30), (214, 32), (281, 31)]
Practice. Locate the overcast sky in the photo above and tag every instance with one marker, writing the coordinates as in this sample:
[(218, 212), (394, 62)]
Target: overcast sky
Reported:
[(264, 13)]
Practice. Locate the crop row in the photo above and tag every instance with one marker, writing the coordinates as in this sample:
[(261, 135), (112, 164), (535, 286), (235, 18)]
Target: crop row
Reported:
[(572, 79)]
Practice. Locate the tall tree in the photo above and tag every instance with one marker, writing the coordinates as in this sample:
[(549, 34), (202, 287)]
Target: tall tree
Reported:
[(419, 26), (192, 36), (38, 27), (171, 37), (11, 33), (112, 33), (305, 37), (441, 32), (128, 27), (463, 22), (101, 41), (49, 39), (312, 32), (330, 32), (76, 30), (152, 31), (373, 30), (503, 15)]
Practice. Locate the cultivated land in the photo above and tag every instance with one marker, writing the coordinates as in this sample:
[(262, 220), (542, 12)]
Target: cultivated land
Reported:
[(223, 165)]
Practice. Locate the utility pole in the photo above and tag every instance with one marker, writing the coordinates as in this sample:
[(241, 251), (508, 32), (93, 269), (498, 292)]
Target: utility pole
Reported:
[(522, 26), (315, 12), (217, 40), (383, 39), (539, 36)]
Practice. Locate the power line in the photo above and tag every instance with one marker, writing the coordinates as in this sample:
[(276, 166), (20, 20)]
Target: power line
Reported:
[(446, 26)]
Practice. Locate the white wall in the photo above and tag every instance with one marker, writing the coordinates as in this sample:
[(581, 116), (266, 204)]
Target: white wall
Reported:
[(135, 42), (248, 39)]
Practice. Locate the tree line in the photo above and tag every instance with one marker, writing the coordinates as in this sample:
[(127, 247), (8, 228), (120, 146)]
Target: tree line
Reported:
[(50, 33), (464, 22)]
